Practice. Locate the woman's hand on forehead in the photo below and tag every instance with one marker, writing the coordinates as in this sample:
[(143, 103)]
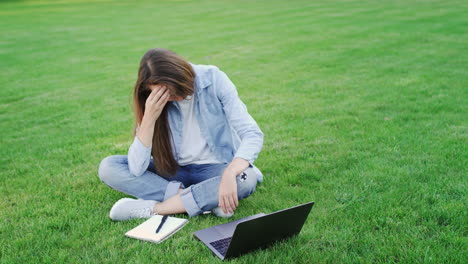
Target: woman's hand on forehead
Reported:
[(157, 86), (172, 96)]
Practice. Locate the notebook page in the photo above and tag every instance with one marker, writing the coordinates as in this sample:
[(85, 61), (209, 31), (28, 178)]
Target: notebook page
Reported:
[(147, 230)]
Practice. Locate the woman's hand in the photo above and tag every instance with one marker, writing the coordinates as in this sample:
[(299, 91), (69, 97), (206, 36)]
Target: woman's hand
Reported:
[(154, 105), (228, 193), (155, 102), (228, 187)]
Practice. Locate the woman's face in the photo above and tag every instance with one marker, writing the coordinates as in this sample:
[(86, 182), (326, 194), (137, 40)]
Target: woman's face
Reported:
[(172, 96)]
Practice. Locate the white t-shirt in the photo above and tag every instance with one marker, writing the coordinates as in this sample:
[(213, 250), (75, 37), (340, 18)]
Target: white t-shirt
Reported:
[(194, 149)]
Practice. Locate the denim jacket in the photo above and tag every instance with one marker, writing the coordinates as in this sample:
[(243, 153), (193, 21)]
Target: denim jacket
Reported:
[(224, 122)]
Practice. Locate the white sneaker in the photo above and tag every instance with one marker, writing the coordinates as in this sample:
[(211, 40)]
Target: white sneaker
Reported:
[(219, 212), (128, 208)]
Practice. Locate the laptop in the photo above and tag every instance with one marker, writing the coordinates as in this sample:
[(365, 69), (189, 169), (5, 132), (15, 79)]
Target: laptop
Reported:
[(253, 232)]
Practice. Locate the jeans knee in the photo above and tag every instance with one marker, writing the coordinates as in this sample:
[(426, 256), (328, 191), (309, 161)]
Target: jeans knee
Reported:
[(246, 183), (106, 167)]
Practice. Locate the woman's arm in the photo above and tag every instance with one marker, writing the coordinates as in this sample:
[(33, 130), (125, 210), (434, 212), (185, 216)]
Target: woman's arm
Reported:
[(241, 121), (251, 140), (138, 157), (139, 153), (146, 130)]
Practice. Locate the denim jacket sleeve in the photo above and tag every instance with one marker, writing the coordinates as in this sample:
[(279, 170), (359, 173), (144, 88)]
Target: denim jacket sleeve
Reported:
[(239, 119), (138, 157)]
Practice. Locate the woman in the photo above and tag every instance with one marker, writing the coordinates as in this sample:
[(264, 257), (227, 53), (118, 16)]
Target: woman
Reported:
[(202, 140)]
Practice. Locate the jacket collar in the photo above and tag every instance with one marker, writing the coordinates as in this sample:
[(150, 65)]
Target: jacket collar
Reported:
[(202, 77)]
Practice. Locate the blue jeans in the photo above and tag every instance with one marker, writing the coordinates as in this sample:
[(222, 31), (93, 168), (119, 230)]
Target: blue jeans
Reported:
[(200, 183)]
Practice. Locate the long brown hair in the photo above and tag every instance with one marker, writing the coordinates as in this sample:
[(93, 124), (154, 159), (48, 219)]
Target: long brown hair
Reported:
[(164, 67)]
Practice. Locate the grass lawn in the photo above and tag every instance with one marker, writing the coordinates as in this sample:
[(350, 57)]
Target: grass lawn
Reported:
[(363, 105)]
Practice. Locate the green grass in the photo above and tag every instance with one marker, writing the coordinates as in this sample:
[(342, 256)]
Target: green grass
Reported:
[(363, 105)]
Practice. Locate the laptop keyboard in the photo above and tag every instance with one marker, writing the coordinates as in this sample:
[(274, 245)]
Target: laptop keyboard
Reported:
[(221, 245)]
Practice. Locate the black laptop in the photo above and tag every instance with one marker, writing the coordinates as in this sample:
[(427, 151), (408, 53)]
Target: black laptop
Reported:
[(253, 232)]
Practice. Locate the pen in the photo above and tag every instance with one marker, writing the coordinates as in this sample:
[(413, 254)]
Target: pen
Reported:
[(161, 224)]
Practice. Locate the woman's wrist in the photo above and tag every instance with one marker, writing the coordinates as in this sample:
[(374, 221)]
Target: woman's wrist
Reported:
[(148, 121), (236, 167), (146, 131)]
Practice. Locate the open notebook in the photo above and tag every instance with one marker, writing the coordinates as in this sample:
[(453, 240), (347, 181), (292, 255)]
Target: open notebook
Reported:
[(147, 230)]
